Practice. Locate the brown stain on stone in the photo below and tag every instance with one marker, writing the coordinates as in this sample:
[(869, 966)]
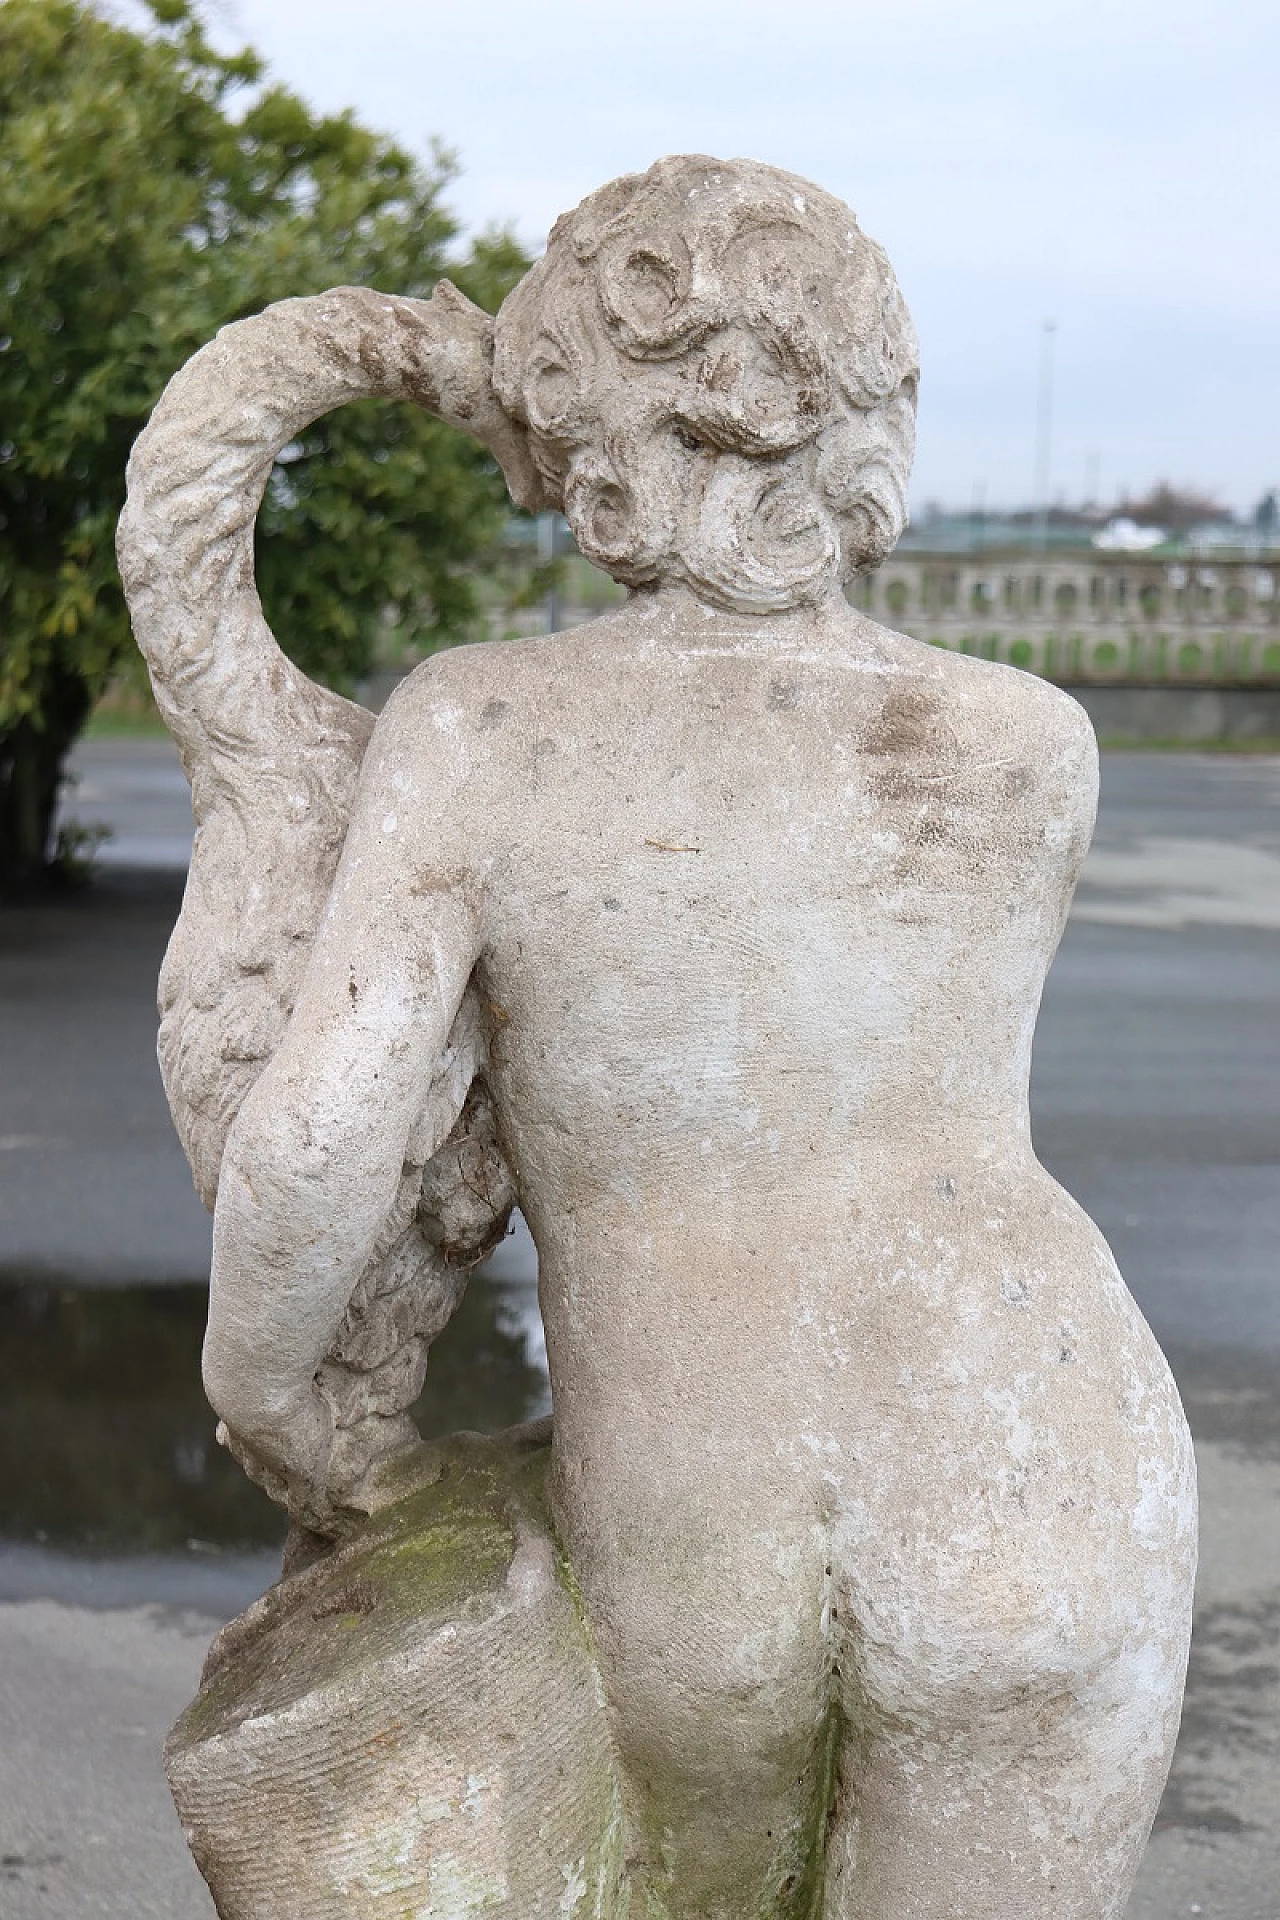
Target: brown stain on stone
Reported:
[(905, 725), (904, 743)]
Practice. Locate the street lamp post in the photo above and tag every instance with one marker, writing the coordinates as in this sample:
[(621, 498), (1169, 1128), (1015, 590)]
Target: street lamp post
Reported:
[(1044, 432)]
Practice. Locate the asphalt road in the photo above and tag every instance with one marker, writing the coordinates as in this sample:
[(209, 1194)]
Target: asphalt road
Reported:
[(1156, 1101)]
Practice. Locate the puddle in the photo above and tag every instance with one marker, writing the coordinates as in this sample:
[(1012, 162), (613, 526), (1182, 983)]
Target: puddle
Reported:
[(106, 1440)]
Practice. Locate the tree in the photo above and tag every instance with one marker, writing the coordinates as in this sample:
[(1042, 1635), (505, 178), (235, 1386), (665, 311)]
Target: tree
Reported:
[(1175, 508), (152, 189)]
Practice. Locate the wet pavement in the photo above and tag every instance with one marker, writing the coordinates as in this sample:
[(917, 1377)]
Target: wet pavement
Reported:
[(125, 1536)]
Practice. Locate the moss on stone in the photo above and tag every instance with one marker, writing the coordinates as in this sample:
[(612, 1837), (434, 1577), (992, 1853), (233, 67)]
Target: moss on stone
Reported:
[(439, 1554), (802, 1895)]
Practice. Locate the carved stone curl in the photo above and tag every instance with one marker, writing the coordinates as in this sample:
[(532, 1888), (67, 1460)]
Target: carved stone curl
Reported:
[(854, 1576)]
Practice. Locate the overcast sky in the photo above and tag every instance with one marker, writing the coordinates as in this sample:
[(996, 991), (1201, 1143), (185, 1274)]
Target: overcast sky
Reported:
[(1112, 165)]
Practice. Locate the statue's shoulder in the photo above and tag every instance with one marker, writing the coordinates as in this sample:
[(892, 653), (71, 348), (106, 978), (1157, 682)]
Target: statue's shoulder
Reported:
[(983, 701), (457, 703), (1043, 720), (443, 680), (474, 701)]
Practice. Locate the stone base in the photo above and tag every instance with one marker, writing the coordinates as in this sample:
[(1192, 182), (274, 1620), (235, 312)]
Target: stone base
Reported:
[(413, 1724)]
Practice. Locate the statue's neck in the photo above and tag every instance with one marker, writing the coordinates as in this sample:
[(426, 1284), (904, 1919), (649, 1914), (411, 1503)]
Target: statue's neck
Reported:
[(676, 608)]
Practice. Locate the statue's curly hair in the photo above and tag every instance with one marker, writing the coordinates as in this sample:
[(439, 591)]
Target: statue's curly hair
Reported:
[(718, 376)]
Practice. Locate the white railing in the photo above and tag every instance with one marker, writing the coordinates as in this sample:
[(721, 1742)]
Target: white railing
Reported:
[(1089, 618)]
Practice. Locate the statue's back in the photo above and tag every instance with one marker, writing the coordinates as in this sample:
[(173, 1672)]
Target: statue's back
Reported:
[(842, 1378)]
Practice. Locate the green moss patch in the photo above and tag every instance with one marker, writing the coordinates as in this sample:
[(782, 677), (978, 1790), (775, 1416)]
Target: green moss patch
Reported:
[(437, 1556)]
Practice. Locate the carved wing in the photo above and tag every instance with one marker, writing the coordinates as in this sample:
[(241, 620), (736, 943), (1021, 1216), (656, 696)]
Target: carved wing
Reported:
[(273, 761)]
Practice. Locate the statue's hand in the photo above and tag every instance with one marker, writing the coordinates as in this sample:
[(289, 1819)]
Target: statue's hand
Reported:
[(330, 1479), (288, 1455)]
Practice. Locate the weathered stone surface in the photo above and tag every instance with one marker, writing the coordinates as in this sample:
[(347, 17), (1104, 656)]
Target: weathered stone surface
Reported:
[(474, 1768), (715, 934)]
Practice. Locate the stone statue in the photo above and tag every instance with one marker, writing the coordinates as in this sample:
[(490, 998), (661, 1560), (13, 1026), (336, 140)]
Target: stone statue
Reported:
[(853, 1578)]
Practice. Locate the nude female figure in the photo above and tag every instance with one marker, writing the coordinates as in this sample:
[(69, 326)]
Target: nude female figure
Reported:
[(874, 1484)]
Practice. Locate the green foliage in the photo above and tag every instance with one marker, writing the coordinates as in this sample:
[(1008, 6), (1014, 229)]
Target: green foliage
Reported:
[(152, 189)]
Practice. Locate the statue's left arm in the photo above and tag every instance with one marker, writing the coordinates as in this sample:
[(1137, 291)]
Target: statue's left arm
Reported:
[(314, 1159), (274, 762)]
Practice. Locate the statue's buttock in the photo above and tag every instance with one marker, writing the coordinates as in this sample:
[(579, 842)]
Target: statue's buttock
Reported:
[(855, 1578)]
